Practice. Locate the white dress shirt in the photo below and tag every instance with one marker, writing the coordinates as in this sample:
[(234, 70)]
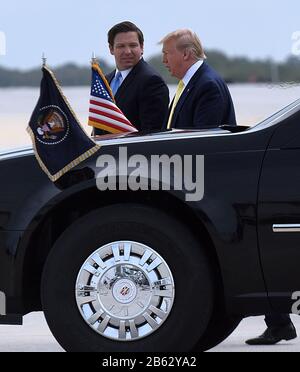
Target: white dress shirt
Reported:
[(191, 72)]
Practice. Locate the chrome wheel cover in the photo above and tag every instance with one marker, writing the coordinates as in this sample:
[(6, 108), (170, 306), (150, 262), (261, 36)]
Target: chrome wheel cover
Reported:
[(125, 291)]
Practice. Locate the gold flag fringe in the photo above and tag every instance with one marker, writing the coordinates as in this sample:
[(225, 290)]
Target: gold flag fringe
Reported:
[(68, 167)]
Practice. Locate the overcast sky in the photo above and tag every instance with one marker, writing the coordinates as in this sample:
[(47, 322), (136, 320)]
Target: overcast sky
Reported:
[(69, 30)]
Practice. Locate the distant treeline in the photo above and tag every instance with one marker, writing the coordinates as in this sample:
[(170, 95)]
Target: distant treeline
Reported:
[(233, 70)]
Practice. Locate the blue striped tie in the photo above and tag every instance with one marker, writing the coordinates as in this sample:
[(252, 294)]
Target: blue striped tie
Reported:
[(116, 82)]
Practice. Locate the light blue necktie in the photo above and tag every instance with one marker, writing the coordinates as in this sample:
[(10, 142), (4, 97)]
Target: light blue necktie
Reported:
[(116, 82)]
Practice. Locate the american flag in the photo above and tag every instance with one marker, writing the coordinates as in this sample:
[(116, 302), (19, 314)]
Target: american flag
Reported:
[(104, 113)]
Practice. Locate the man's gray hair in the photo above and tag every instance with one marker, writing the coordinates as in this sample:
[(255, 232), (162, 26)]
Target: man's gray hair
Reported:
[(186, 39)]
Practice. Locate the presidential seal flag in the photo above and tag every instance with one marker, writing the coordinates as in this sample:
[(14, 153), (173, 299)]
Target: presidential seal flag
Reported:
[(104, 113), (59, 141)]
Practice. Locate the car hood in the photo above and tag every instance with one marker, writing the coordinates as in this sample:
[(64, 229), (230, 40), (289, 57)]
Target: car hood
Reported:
[(15, 152), (122, 139), (175, 134)]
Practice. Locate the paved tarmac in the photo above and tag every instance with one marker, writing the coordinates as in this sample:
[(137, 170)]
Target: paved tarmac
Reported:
[(35, 336)]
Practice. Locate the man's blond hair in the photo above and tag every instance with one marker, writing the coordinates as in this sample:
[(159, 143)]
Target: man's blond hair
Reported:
[(186, 39)]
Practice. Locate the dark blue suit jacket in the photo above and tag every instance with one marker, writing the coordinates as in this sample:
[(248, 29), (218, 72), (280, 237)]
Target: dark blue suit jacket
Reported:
[(143, 97), (205, 103)]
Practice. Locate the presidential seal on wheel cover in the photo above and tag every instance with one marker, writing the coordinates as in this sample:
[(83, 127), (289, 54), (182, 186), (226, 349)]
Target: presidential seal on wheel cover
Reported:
[(125, 291)]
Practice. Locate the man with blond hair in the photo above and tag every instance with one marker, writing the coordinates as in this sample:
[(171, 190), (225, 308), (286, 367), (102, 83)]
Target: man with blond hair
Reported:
[(202, 99)]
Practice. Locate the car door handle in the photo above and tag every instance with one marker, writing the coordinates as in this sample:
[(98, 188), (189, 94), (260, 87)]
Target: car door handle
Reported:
[(286, 228)]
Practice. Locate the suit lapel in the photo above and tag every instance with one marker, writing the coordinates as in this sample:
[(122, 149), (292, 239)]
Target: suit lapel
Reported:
[(180, 103), (129, 79), (110, 76), (186, 92)]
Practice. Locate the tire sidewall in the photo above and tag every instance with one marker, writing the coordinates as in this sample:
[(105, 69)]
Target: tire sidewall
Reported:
[(192, 307)]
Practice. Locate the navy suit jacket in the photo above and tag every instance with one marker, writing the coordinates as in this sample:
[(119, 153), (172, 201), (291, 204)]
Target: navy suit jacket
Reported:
[(205, 103), (143, 97)]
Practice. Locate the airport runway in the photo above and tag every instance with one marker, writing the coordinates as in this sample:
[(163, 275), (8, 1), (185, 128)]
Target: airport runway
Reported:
[(35, 336)]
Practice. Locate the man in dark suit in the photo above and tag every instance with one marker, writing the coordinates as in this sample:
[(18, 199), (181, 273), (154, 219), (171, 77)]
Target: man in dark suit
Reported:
[(139, 90), (202, 99)]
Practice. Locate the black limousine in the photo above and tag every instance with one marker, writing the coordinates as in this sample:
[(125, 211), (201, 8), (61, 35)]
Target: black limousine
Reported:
[(138, 268)]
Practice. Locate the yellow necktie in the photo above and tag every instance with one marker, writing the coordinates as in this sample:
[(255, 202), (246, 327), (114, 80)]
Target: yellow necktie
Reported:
[(179, 91)]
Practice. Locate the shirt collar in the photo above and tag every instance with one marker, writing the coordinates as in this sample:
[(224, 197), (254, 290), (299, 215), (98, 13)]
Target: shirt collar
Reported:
[(191, 72), (124, 73)]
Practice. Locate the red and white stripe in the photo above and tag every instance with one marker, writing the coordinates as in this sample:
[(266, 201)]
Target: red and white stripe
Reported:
[(105, 113)]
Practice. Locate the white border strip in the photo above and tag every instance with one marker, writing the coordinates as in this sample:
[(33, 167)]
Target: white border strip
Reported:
[(2, 304)]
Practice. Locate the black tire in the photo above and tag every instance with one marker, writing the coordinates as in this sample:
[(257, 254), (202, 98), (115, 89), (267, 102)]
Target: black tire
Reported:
[(220, 328), (184, 255)]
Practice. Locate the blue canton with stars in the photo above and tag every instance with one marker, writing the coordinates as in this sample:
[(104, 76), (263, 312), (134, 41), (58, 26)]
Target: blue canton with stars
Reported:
[(99, 88)]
